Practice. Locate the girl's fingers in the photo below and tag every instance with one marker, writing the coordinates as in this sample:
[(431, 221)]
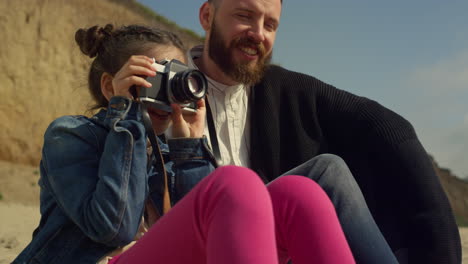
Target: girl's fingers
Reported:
[(139, 70), (201, 108), (179, 127), (122, 86), (140, 60), (138, 81), (201, 104), (133, 73), (201, 111), (176, 114), (132, 69), (136, 66)]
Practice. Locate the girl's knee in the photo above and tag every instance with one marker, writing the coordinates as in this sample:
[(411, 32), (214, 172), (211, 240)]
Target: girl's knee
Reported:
[(237, 180), (237, 175), (300, 190)]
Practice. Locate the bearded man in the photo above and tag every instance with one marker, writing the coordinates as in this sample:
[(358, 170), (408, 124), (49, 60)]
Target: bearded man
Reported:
[(280, 122)]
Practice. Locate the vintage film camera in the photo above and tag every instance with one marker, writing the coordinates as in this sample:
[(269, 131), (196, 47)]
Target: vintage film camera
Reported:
[(174, 83)]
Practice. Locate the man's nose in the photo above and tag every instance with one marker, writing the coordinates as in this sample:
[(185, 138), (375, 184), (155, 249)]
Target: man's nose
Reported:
[(256, 32)]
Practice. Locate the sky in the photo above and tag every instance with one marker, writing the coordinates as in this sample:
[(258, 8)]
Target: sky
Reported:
[(410, 56)]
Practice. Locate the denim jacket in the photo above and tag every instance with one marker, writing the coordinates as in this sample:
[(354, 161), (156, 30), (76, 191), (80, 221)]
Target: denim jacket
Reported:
[(95, 180)]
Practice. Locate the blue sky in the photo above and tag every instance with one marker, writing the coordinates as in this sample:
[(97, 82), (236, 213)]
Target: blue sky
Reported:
[(410, 56)]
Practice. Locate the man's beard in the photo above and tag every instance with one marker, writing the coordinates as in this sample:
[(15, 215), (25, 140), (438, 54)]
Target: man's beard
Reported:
[(238, 71)]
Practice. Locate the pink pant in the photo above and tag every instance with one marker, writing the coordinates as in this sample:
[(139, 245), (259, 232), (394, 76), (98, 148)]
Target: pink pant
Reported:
[(232, 217)]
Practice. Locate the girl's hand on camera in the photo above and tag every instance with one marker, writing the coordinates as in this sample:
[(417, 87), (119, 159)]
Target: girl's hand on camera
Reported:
[(132, 73), (188, 125)]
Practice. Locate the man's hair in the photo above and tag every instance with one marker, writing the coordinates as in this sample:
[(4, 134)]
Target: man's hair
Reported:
[(112, 47), (216, 2)]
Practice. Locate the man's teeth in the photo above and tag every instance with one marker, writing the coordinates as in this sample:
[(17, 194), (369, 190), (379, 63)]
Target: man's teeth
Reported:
[(249, 51)]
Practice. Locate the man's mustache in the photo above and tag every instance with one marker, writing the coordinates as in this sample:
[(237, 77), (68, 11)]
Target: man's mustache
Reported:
[(246, 41)]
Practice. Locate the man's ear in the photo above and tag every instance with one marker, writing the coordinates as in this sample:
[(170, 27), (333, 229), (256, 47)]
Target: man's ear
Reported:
[(107, 89), (205, 15)]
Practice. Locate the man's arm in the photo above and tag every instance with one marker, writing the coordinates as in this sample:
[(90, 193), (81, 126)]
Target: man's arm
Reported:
[(400, 173), (296, 117)]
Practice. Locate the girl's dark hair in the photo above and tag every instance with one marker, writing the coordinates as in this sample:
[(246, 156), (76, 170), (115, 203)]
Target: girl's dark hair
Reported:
[(112, 47)]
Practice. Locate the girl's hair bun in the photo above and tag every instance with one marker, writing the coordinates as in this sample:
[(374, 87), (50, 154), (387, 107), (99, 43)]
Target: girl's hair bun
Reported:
[(91, 40)]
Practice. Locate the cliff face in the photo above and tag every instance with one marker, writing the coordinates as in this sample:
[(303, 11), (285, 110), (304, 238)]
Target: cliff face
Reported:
[(457, 192), (42, 72)]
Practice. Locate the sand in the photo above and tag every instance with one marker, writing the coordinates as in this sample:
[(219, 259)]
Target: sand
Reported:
[(16, 227), (19, 210)]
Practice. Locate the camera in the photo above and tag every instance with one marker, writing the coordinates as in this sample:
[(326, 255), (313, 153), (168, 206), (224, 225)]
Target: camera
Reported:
[(174, 83)]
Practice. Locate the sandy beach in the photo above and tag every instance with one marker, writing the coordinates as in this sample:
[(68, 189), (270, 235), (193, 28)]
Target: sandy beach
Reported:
[(20, 212), (18, 223)]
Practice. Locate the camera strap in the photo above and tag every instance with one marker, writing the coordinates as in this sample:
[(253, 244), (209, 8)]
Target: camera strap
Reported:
[(213, 135), (155, 146)]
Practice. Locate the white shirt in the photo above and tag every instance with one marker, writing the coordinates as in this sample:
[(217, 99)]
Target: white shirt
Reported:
[(229, 107)]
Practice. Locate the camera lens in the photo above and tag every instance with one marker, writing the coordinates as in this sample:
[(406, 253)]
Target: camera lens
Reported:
[(188, 86), (193, 85)]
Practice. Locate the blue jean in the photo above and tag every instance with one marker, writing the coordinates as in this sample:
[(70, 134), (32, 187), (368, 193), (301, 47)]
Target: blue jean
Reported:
[(364, 237)]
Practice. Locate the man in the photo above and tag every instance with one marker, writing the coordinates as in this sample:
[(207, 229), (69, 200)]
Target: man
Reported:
[(272, 120)]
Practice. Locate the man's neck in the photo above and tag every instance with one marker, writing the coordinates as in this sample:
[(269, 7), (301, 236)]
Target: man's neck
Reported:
[(209, 67)]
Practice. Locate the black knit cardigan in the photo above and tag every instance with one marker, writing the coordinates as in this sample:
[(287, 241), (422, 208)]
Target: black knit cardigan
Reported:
[(296, 117)]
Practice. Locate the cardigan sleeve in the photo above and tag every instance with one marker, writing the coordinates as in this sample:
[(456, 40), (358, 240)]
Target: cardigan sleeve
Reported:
[(381, 148), (369, 135)]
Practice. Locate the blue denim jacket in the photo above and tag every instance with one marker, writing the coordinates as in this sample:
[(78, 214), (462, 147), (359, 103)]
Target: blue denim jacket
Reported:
[(95, 181)]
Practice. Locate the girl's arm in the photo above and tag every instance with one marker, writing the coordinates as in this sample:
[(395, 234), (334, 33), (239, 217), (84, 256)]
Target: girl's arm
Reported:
[(99, 180)]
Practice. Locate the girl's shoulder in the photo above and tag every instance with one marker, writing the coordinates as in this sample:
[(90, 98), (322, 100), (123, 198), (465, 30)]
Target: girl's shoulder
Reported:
[(73, 134), (69, 122), (78, 125)]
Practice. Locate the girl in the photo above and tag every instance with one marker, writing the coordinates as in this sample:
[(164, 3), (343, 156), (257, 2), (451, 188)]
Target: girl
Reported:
[(102, 200)]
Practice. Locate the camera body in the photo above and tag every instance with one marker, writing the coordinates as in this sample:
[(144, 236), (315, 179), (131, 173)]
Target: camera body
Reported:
[(174, 82)]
